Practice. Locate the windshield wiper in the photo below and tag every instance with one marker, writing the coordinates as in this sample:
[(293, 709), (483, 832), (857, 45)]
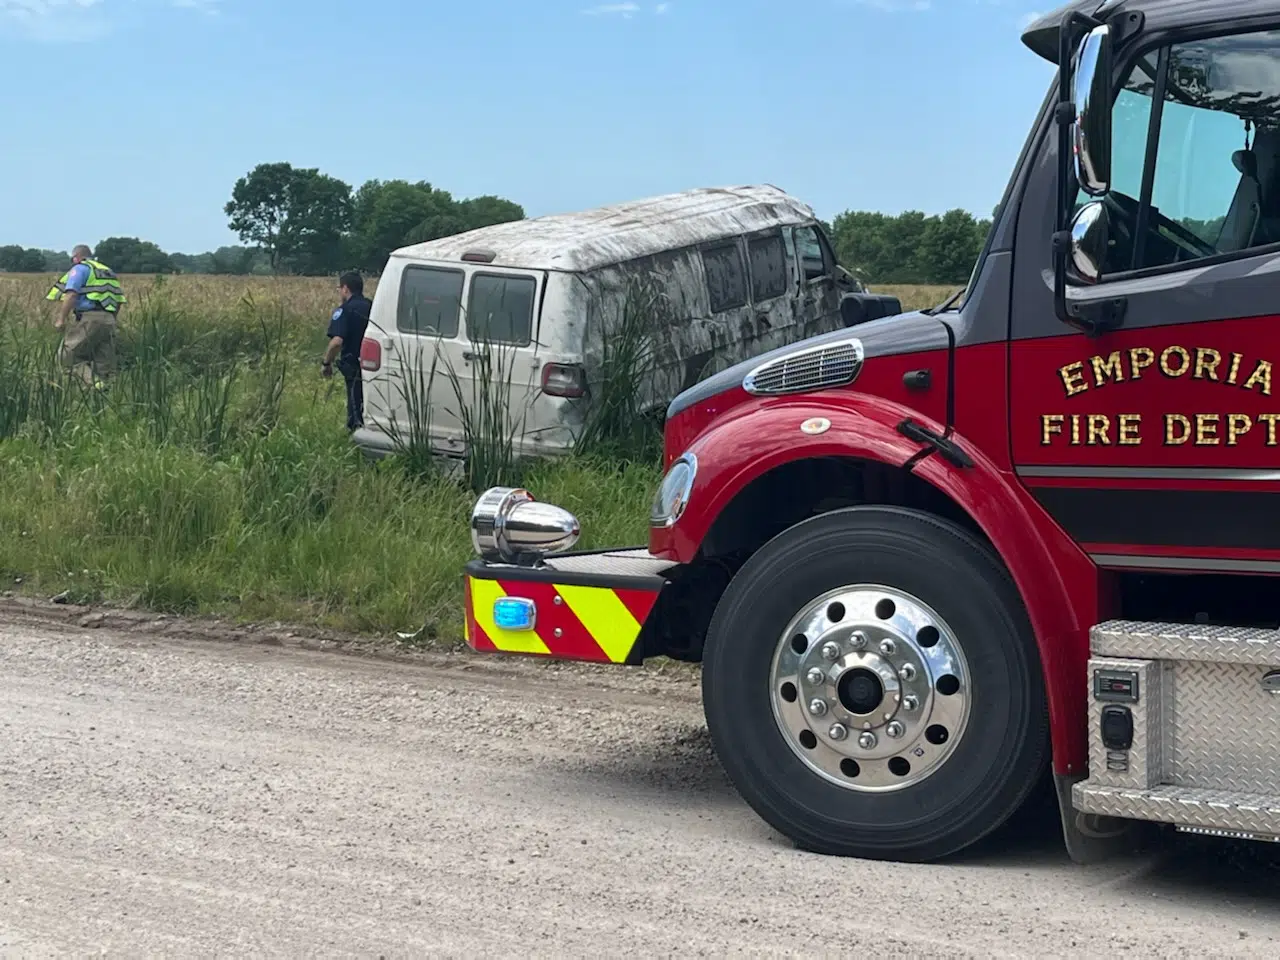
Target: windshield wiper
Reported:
[(944, 306)]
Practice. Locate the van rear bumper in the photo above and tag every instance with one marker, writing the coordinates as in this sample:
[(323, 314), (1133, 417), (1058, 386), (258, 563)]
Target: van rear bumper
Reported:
[(592, 607), (373, 443)]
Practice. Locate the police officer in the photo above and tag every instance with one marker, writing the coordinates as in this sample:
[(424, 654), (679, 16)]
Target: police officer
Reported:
[(91, 293), (346, 333)]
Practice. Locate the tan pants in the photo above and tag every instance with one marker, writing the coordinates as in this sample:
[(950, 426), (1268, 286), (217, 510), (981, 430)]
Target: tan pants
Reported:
[(89, 346)]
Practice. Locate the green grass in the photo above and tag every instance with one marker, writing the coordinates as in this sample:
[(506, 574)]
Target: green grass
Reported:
[(216, 476)]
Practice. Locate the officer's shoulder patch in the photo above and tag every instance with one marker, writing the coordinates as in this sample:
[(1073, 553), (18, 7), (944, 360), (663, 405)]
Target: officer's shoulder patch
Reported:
[(337, 313)]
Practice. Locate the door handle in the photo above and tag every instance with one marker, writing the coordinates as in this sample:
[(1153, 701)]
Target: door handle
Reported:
[(468, 356)]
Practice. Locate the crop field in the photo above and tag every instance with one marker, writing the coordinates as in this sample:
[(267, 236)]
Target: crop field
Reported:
[(216, 476)]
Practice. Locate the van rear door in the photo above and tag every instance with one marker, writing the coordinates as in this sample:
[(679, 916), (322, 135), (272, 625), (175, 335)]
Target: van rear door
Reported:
[(431, 343), (498, 382)]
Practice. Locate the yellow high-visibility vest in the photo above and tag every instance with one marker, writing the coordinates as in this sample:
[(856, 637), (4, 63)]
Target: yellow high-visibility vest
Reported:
[(102, 287)]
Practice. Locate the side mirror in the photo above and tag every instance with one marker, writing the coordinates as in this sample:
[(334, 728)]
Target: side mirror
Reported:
[(1090, 235), (1091, 96)]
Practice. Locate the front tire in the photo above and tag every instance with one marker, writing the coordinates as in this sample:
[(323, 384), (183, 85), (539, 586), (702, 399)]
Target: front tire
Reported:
[(872, 686)]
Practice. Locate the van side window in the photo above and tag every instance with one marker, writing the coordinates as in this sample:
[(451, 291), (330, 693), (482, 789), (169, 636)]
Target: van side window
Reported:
[(768, 259), (726, 279), (430, 301), (813, 254), (501, 309)]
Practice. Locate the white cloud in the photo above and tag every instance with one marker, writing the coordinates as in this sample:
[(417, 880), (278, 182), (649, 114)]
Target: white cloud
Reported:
[(71, 20), (624, 10), (47, 19), (661, 8)]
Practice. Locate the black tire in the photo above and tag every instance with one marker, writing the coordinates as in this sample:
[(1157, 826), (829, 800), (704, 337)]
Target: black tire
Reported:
[(1003, 750)]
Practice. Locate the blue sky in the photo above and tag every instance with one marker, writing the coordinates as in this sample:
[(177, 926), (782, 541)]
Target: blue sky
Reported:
[(558, 104)]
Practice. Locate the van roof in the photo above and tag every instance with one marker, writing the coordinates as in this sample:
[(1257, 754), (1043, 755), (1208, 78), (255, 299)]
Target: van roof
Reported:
[(620, 232)]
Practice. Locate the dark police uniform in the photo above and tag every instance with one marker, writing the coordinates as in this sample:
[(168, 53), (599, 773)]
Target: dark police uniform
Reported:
[(349, 322)]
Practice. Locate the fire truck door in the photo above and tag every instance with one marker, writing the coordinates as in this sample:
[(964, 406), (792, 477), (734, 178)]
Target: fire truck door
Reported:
[(1157, 445)]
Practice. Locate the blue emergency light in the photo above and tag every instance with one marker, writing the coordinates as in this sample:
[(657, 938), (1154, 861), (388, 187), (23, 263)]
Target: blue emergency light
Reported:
[(514, 613)]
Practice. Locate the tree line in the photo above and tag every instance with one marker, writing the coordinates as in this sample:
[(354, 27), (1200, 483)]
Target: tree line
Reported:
[(293, 220)]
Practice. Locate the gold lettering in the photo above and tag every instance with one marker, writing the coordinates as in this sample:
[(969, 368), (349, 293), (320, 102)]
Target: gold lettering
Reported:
[(1099, 424), (1073, 378), (1207, 429), (1167, 368), (1238, 424), (1270, 419), (1075, 429), (1050, 425), (1171, 437), (1207, 361), (1111, 368), (1130, 423), (1235, 369), (1262, 375), (1139, 359)]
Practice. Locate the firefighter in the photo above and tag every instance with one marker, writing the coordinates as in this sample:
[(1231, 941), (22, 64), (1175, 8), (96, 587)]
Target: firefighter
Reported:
[(91, 298)]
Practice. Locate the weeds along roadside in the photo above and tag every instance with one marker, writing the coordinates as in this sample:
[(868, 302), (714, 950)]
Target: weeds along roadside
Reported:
[(214, 476)]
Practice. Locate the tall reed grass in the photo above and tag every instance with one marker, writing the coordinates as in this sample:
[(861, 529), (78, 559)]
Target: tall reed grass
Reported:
[(214, 474)]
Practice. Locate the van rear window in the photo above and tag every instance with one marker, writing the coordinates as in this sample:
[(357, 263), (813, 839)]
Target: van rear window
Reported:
[(430, 301), (501, 309)]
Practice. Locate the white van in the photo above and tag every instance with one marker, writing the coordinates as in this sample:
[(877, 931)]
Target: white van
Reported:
[(534, 303)]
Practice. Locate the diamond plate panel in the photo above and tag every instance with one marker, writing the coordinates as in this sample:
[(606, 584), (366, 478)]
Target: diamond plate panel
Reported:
[(1146, 760), (1186, 641), (1183, 806), (1226, 729), (621, 563)]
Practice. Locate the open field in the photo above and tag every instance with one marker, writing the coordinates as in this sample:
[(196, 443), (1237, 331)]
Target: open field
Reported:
[(216, 477)]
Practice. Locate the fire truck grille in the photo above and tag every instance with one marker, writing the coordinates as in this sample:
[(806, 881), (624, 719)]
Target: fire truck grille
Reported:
[(817, 368)]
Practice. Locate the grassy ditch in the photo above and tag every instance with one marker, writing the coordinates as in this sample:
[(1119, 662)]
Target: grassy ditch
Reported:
[(215, 476)]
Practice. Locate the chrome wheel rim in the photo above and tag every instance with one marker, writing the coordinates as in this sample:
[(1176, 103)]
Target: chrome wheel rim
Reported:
[(870, 688)]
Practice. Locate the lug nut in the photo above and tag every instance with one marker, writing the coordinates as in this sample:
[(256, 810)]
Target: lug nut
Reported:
[(817, 707), (867, 741), (910, 704), (830, 652), (859, 641), (888, 648), (838, 732), (815, 676), (908, 672), (895, 730)]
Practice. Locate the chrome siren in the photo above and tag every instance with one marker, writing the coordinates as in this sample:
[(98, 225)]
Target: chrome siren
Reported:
[(509, 526)]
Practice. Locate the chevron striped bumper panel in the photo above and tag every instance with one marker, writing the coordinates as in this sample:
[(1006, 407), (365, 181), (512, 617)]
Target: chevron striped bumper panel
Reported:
[(579, 606)]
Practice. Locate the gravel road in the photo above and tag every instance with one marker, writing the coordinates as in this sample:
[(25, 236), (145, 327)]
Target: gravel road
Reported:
[(173, 796)]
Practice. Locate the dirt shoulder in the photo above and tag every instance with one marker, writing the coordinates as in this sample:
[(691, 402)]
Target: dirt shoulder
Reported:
[(168, 794)]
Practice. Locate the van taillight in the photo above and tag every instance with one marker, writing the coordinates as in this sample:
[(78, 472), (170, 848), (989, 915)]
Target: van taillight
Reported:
[(370, 355), (564, 380)]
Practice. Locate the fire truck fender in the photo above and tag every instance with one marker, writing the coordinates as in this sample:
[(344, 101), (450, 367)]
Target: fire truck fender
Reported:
[(1051, 573)]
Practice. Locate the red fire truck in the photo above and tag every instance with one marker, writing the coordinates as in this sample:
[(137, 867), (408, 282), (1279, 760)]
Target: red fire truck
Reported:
[(927, 558)]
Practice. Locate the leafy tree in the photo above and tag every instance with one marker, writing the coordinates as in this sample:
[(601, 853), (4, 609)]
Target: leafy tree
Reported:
[(298, 216), (390, 214), (131, 255), (488, 210), (911, 247), (16, 259)]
